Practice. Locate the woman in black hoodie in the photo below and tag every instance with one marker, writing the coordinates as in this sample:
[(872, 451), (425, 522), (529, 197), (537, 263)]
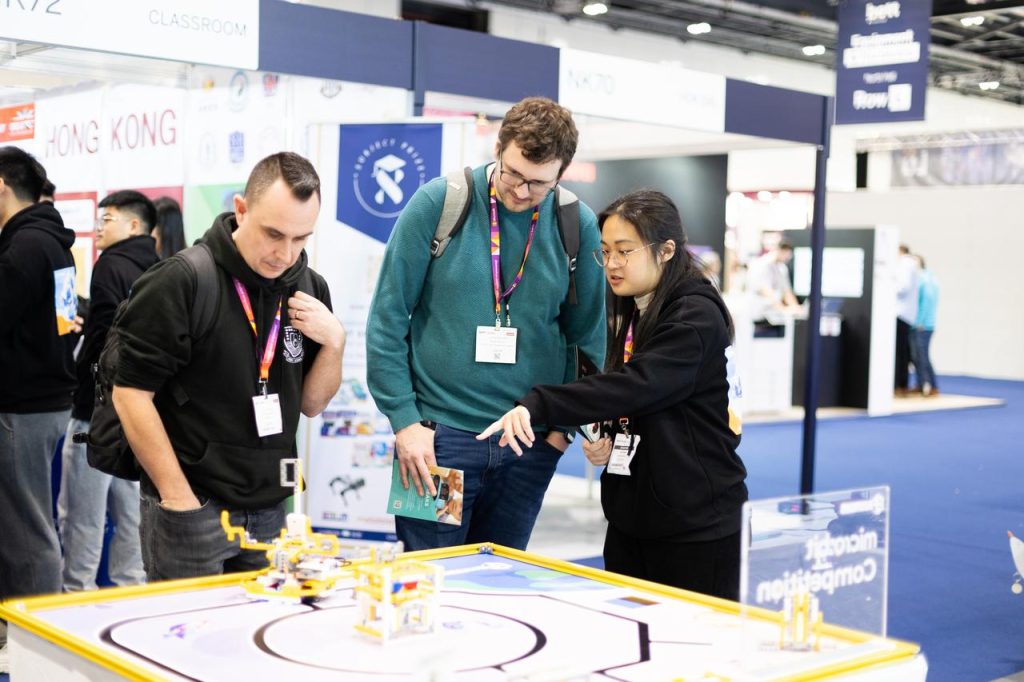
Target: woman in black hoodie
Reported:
[(673, 487)]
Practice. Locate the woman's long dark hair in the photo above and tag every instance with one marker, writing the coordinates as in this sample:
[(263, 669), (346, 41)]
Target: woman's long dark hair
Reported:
[(657, 219), (171, 225)]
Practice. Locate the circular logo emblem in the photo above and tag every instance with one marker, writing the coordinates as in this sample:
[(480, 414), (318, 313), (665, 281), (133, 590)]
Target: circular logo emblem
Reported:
[(238, 91), (330, 89), (385, 175)]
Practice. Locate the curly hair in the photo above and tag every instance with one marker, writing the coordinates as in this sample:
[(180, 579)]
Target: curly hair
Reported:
[(542, 129)]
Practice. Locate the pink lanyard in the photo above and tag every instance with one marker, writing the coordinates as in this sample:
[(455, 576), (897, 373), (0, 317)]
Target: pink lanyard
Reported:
[(627, 353), (496, 257), (627, 348), (271, 348)]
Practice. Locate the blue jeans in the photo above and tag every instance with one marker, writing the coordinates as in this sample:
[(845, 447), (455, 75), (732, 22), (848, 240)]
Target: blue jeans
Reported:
[(29, 551), (920, 340), (86, 495), (501, 497), (191, 544)]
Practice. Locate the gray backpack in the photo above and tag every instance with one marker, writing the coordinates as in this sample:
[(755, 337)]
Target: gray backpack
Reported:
[(457, 196)]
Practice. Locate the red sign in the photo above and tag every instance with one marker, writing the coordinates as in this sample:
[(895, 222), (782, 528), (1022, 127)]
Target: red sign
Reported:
[(17, 122)]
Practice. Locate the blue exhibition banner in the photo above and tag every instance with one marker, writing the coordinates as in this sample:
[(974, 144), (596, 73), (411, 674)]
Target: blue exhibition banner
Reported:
[(882, 60), (380, 166)]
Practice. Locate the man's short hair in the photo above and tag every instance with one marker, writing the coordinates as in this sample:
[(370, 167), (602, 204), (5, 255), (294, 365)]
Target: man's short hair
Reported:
[(785, 245), (48, 190), (22, 173), (135, 203), (542, 129), (297, 172)]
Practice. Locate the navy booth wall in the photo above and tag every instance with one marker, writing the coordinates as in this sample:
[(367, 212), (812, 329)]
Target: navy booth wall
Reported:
[(697, 184), (855, 338)]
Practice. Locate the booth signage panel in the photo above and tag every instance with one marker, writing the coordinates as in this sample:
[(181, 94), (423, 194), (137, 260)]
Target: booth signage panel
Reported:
[(827, 552), (381, 167), (882, 60), (633, 90), (225, 33)]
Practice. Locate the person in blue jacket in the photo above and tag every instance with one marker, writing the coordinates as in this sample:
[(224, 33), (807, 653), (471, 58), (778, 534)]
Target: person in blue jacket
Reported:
[(673, 486), (924, 327)]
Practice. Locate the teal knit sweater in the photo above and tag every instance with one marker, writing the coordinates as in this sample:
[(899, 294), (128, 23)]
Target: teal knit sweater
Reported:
[(421, 332)]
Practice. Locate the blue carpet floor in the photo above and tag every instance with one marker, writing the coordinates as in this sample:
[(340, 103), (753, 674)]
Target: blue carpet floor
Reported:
[(957, 480)]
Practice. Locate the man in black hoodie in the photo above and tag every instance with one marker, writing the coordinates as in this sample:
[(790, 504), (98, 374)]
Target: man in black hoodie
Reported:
[(123, 228), (210, 418), (37, 377)]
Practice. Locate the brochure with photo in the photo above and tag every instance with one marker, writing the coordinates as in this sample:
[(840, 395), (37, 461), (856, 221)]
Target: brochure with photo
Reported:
[(444, 507)]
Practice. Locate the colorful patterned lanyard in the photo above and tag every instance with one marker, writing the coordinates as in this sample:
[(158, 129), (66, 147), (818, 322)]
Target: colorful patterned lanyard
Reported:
[(627, 353), (271, 347), (627, 348), (496, 256)]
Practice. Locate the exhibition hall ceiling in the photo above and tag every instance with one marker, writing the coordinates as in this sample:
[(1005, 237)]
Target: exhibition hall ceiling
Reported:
[(973, 41)]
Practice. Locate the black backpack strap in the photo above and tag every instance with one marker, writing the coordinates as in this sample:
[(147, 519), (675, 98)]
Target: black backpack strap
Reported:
[(457, 199), (568, 214), (206, 291)]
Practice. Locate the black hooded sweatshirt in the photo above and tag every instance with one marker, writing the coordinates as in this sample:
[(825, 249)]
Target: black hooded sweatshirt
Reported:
[(37, 372), (686, 482), (112, 277), (204, 388)]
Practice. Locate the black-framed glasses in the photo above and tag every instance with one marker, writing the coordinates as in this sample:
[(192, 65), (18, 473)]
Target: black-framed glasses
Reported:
[(515, 181), (617, 256)]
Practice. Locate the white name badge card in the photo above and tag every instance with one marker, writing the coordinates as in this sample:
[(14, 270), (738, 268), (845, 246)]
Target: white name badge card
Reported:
[(496, 345), (623, 452), (268, 414)]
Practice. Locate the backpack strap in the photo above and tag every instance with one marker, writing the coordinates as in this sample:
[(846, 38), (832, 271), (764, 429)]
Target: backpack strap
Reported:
[(206, 288), (568, 215), (458, 190)]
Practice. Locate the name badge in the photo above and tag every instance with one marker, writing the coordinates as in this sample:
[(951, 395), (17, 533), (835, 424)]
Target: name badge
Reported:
[(623, 452), (268, 414), (496, 344)]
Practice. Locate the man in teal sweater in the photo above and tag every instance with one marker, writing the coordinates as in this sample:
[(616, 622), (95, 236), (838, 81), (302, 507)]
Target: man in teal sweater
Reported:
[(452, 342)]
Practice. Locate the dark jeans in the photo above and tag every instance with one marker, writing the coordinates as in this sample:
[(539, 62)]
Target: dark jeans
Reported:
[(711, 567), (920, 341), (192, 544), (29, 551), (501, 497), (902, 354)]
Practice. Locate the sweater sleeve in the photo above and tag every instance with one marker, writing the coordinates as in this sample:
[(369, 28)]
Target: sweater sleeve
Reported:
[(399, 286), (662, 374), (155, 339)]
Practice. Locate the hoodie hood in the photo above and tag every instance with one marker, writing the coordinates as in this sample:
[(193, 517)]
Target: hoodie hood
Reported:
[(227, 256), (43, 217), (700, 286), (140, 250)]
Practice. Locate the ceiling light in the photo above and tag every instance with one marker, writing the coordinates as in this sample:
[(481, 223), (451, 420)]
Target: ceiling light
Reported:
[(977, 20), (592, 9), (988, 85), (814, 50), (698, 29)]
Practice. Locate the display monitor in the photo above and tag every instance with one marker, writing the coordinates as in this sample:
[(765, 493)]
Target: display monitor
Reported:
[(842, 274)]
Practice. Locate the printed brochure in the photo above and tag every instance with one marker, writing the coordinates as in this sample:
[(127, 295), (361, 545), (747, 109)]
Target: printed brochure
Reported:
[(444, 507)]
